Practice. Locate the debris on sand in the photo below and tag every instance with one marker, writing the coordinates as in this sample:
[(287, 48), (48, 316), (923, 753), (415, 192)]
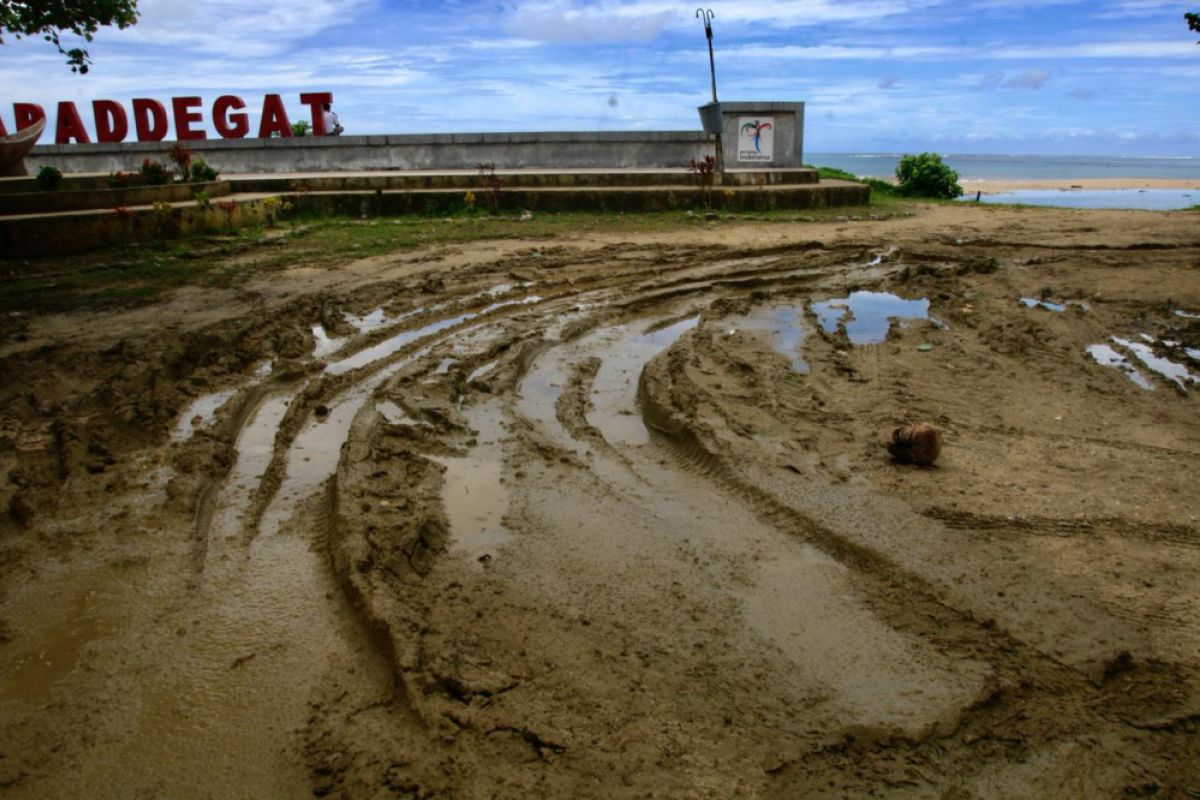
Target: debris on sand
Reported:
[(919, 443)]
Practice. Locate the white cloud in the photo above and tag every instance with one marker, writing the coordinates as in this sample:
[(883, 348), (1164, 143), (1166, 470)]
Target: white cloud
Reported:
[(235, 27)]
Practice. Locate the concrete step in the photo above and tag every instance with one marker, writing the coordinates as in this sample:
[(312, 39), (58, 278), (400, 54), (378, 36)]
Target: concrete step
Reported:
[(508, 179), (65, 232), (77, 199)]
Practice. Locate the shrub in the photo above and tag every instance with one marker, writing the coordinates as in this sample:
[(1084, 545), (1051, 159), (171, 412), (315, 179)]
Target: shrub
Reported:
[(300, 129), (154, 173), (878, 186), (202, 172), (926, 175), (48, 178), (704, 174), (181, 157)]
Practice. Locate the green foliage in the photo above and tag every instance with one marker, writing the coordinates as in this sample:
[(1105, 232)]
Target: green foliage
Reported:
[(52, 18), (300, 129), (154, 173), (926, 175), (48, 178), (878, 187), (1193, 21), (202, 172)]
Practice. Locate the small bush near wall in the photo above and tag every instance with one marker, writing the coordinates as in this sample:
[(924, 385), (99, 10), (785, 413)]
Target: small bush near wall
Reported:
[(48, 178)]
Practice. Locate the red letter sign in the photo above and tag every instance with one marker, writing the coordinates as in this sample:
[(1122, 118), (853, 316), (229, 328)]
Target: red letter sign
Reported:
[(111, 123), (150, 119), (184, 118), (274, 118), (70, 126), (27, 113), (314, 100), (3, 130), (230, 126)]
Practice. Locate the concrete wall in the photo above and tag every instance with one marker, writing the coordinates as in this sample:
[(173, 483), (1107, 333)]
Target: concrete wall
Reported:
[(623, 149)]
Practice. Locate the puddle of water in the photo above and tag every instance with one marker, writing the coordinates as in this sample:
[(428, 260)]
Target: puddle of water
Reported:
[(1165, 367), (499, 289), (614, 389), (255, 447), (393, 345), (264, 370), (867, 316), (401, 340), (1106, 356), (55, 649), (367, 322), (805, 605), (395, 415), (475, 497), (444, 366), (1030, 302), (1186, 314), (205, 408), (324, 344), (484, 370), (1033, 302), (786, 327)]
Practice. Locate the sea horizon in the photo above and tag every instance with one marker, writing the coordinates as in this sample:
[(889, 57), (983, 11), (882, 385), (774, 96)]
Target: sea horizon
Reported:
[(999, 166)]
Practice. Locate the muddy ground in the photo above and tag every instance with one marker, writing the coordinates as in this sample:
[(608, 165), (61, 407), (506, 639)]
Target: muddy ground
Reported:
[(613, 516)]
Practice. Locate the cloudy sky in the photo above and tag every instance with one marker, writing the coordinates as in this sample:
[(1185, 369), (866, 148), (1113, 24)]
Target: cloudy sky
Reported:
[(957, 76)]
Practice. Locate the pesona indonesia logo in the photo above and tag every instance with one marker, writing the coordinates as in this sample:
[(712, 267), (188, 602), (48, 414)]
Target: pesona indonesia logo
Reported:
[(756, 139)]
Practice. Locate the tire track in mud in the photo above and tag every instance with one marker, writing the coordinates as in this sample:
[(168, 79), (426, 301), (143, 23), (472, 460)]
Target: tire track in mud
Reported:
[(1051, 702), (439, 710)]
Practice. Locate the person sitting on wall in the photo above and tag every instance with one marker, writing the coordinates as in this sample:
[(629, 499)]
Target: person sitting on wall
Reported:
[(332, 126)]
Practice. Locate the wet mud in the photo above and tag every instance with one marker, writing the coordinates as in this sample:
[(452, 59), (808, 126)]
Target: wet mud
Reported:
[(615, 517)]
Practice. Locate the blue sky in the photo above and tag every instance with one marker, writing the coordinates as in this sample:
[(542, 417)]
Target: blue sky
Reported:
[(975, 76)]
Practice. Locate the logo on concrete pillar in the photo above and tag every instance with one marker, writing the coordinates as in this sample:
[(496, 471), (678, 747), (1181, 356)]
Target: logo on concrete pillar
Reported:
[(756, 139)]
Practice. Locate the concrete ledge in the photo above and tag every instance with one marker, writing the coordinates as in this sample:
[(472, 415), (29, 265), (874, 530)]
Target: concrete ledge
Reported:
[(82, 231), (109, 198), (562, 150)]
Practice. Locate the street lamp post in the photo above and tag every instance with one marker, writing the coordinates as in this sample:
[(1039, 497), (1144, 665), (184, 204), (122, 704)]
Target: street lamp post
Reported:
[(707, 16)]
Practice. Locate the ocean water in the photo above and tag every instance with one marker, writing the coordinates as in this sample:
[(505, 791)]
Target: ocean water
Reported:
[(1062, 168), (976, 167), (1142, 199)]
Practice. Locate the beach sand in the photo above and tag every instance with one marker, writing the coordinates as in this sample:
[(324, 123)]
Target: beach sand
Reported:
[(1065, 184)]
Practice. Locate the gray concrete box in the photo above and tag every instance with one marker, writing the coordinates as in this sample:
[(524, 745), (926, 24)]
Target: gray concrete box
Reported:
[(780, 134)]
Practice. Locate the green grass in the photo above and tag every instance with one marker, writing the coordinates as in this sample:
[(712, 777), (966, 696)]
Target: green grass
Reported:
[(134, 275)]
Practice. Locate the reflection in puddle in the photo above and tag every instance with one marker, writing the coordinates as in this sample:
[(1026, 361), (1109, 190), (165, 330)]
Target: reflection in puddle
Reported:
[(1033, 302), (444, 366), (1165, 367), (867, 316), (200, 414), (786, 327), (474, 494), (395, 415), (367, 322), (255, 447), (1108, 357), (1030, 302), (614, 389), (324, 345), (401, 340), (1186, 314), (484, 370)]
